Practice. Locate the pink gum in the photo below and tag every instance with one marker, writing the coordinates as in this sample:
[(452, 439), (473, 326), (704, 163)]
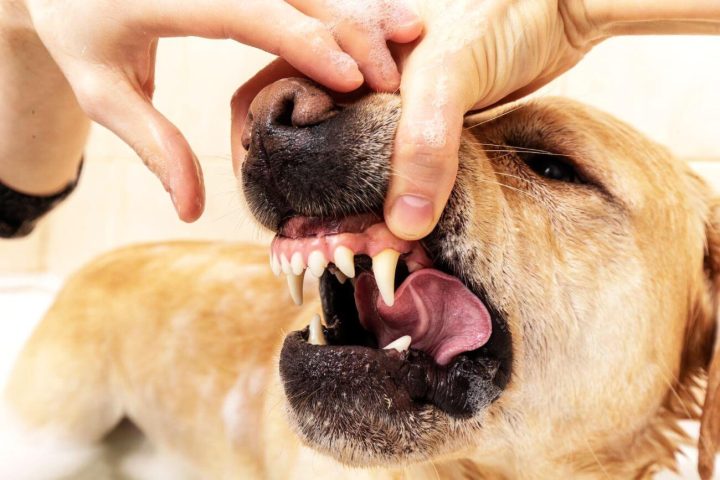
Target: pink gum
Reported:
[(372, 241)]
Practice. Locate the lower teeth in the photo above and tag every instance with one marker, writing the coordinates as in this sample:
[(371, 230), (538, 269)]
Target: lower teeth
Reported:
[(315, 334)]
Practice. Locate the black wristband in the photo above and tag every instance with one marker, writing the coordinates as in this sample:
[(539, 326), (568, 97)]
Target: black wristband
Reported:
[(20, 212)]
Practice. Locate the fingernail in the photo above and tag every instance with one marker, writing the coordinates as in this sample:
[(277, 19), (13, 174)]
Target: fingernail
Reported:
[(412, 216)]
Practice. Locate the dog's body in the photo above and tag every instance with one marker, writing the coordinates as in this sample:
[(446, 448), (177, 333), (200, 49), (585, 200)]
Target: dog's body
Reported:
[(198, 373), (605, 287)]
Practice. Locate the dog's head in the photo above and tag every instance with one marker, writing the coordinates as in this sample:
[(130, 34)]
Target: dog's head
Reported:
[(557, 314)]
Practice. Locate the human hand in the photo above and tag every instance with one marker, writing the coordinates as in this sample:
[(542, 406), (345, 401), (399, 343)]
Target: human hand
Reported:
[(106, 49), (474, 54)]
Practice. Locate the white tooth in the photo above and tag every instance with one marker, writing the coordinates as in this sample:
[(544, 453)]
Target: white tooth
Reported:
[(401, 344), (296, 263), (317, 263), (285, 265), (275, 265), (384, 264), (345, 261), (316, 336), (340, 276), (295, 285)]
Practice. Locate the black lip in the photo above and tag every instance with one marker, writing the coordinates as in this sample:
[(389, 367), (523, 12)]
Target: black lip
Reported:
[(408, 381), (353, 365)]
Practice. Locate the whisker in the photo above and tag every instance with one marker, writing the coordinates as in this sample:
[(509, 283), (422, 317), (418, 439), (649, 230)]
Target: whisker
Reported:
[(514, 148), (528, 194)]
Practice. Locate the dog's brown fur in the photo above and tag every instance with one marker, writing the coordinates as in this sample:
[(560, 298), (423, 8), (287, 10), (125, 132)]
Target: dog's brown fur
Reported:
[(609, 355)]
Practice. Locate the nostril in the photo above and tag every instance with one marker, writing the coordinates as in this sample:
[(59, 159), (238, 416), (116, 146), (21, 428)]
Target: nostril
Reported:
[(284, 115), (310, 107), (292, 102)]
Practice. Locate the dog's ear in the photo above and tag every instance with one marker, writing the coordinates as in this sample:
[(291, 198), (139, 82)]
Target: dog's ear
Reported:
[(705, 346)]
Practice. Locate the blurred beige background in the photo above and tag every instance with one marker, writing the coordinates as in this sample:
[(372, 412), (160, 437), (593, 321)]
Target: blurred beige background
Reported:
[(666, 87)]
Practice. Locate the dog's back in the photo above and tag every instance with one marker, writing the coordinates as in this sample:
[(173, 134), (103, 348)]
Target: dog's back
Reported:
[(213, 313)]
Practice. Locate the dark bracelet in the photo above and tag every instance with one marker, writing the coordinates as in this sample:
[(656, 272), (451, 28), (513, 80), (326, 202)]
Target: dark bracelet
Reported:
[(20, 212)]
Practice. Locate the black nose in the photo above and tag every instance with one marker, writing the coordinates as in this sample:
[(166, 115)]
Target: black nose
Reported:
[(308, 155), (284, 106)]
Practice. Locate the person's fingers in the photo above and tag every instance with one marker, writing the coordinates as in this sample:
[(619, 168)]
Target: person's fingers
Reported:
[(401, 24), (372, 56), (363, 28), (425, 157), (111, 100), (272, 25)]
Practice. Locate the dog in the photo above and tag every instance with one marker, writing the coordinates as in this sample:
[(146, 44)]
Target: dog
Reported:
[(558, 322)]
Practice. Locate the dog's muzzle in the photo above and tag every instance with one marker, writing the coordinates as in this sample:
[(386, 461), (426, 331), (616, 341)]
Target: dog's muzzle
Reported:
[(400, 328)]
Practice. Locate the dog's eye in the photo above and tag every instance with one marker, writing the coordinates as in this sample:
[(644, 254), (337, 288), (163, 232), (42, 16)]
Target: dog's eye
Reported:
[(551, 166)]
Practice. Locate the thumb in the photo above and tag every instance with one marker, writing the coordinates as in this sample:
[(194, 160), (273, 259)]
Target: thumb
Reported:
[(112, 101), (425, 158)]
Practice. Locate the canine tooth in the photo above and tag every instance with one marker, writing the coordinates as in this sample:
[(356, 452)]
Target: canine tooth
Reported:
[(345, 261), (384, 264), (285, 265), (341, 277), (400, 344), (275, 265), (317, 263), (296, 263), (295, 285), (316, 336)]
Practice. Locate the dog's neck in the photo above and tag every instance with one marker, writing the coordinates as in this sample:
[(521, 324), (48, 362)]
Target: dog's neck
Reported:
[(639, 455)]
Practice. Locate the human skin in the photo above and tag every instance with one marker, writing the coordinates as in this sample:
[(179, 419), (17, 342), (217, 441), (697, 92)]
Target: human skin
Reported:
[(59, 68), (479, 53), (65, 57)]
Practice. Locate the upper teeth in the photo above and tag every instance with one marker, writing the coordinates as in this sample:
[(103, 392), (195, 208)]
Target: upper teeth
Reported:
[(317, 263), (275, 265), (285, 264), (345, 261), (296, 263), (401, 344), (295, 285), (384, 265)]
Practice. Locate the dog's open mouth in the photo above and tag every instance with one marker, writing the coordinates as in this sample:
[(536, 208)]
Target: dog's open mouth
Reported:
[(394, 319)]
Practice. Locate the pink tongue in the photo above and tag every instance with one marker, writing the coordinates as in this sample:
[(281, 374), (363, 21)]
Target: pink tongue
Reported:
[(443, 317)]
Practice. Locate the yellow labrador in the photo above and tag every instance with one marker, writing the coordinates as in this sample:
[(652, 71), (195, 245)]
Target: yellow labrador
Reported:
[(558, 323)]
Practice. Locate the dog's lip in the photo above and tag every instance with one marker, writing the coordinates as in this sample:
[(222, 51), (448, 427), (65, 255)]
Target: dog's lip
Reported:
[(410, 379)]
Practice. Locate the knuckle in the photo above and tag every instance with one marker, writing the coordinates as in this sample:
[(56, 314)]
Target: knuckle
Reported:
[(426, 166)]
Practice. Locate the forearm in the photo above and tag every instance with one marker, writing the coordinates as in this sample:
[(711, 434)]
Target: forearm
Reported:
[(42, 129), (651, 17)]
